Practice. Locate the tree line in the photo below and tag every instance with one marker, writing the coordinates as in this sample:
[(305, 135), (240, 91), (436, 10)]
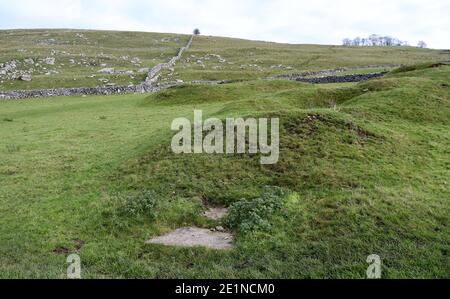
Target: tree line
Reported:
[(377, 40)]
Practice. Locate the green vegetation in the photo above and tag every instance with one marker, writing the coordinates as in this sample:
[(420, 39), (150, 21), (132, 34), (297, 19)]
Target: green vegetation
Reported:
[(80, 54), (364, 167), (251, 215)]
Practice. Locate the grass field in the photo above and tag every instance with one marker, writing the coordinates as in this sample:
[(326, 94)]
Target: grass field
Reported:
[(370, 177), (242, 59)]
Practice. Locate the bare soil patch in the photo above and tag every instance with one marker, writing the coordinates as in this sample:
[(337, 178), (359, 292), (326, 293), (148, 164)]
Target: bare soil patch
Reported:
[(195, 237)]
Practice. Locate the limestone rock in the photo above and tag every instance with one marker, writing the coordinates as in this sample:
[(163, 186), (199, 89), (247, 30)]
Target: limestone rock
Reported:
[(106, 71), (26, 77), (49, 60)]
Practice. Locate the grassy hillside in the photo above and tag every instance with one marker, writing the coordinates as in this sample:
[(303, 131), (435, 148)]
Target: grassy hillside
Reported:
[(80, 54), (243, 59), (369, 176)]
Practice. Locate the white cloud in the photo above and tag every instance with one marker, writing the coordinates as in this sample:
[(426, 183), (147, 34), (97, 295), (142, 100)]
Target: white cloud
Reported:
[(304, 21)]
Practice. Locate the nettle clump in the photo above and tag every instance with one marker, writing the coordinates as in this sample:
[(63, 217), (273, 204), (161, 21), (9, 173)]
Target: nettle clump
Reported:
[(143, 204), (249, 215)]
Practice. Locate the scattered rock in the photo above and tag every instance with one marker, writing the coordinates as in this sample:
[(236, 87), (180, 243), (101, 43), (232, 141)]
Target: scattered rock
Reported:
[(29, 61), (195, 237)]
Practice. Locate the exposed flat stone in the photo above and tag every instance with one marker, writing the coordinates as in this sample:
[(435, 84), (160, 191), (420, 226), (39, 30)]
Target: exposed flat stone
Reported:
[(195, 237), (215, 213)]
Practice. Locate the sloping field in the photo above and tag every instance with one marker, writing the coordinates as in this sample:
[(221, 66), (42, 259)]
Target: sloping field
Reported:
[(73, 58), (216, 58)]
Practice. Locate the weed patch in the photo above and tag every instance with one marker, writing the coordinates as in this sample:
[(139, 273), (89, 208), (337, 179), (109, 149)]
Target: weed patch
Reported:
[(254, 214)]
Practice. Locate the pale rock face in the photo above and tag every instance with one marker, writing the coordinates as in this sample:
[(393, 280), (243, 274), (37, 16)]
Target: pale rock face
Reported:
[(106, 71), (143, 70), (26, 77)]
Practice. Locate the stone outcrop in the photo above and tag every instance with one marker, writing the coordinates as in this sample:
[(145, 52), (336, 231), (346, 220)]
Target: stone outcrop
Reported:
[(26, 77)]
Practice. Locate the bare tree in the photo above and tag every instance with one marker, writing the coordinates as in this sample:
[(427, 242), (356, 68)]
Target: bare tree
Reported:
[(377, 40), (388, 41), (346, 42), (357, 41), (421, 44), (374, 40)]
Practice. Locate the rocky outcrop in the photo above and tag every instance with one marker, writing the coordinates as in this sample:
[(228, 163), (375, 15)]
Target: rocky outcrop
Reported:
[(26, 77)]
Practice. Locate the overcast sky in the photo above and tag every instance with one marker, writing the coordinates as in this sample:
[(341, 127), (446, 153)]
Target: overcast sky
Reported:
[(293, 21)]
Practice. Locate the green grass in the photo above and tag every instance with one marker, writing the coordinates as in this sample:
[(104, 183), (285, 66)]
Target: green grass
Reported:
[(370, 177), (89, 50)]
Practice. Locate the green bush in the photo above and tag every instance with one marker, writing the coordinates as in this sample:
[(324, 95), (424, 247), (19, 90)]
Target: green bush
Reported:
[(254, 214)]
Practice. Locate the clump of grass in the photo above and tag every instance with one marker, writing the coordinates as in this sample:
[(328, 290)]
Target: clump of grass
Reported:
[(102, 117), (8, 119), (143, 204), (254, 214), (12, 148), (122, 209)]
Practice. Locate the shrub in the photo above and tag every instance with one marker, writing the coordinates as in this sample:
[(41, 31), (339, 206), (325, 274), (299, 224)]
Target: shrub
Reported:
[(254, 214)]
